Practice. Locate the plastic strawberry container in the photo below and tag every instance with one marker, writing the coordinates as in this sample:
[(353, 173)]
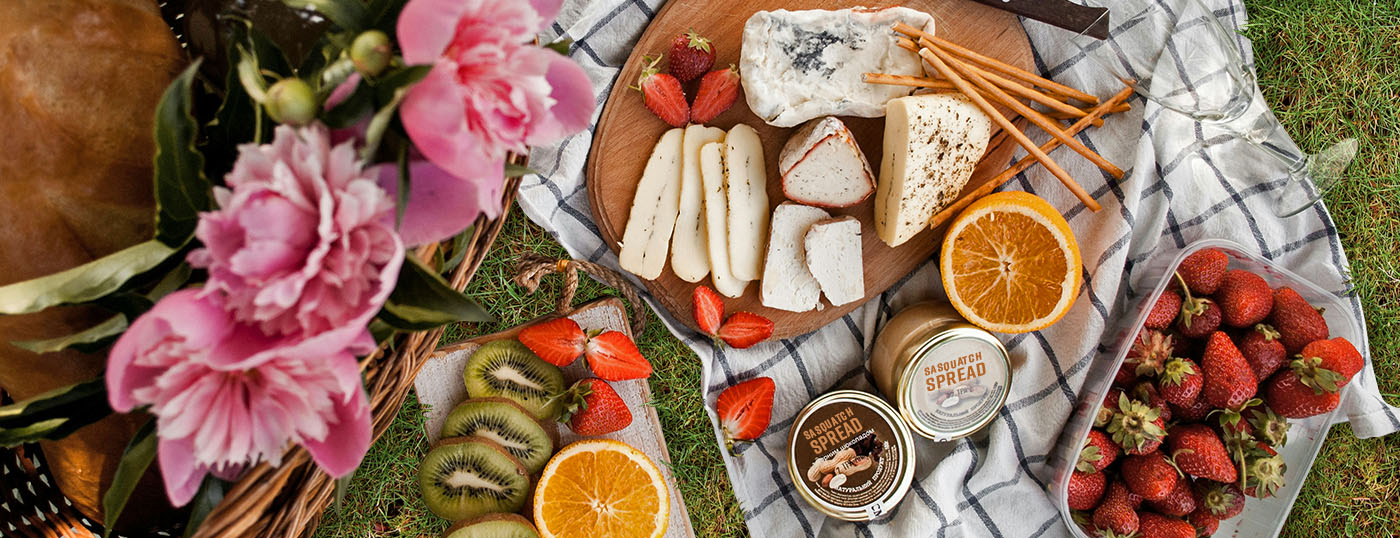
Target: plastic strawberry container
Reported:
[(1261, 517)]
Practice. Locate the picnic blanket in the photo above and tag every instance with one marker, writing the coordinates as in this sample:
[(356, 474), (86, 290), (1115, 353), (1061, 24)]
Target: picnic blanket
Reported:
[(995, 483)]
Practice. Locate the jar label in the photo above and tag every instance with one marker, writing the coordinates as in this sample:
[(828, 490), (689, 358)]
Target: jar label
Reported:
[(850, 455), (959, 384)]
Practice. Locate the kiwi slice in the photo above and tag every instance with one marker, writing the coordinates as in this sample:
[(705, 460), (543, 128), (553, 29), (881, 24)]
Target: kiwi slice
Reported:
[(506, 423), (493, 526), (465, 477), (508, 369)]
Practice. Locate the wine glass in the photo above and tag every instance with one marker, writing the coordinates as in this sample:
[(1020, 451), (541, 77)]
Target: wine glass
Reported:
[(1178, 54)]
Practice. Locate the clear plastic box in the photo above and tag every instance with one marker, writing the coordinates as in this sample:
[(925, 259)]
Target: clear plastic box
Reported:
[(1261, 517)]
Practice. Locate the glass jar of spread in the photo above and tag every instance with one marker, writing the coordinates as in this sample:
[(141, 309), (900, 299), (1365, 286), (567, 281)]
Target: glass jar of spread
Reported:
[(851, 456), (946, 377)]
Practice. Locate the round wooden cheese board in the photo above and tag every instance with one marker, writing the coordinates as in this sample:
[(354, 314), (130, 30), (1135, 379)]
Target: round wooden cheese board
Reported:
[(627, 131)]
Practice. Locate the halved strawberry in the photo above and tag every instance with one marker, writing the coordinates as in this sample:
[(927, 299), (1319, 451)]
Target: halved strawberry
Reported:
[(745, 410), (708, 309), (558, 342), (592, 407), (662, 94), (613, 356), (718, 91), (744, 329)]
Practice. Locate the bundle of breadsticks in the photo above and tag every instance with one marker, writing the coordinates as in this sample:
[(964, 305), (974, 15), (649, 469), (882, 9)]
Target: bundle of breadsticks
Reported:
[(989, 82)]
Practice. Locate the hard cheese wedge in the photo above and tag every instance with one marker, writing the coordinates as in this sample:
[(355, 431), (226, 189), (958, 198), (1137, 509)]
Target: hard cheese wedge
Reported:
[(932, 144), (716, 220), (787, 284), (654, 207), (746, 189), (690, 257)]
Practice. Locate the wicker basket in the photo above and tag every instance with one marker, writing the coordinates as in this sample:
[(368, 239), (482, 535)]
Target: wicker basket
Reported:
[(282, 502)]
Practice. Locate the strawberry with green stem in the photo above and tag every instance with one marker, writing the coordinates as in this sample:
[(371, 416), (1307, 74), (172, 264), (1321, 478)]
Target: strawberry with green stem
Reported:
[(1150, 352), (1262, 473), (1199, 452), (1199, 316), (1263, 349), (1223, 500), (662, 94), (1297, 322), (1098, 453), (691, 55), (592, 408), (1337, 355), (1136, 426), (1269, 427), (1302, 391), (1180, 382)]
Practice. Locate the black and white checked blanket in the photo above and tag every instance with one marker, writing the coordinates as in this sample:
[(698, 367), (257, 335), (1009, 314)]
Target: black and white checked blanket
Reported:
[(995, 483)]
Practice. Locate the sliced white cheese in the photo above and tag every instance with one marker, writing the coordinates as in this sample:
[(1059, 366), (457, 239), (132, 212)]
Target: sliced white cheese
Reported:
[(746, 189), (799, 65), (690, 257), (716, 220), (932, 144), (787, 284), (654, 207), (833, 251), (822, 165)]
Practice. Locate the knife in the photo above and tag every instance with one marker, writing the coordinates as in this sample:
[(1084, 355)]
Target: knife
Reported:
[(1062, 13)]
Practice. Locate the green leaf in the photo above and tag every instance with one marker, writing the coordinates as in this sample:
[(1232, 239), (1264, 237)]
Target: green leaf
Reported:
[(374, 133), (392, 82), (403, 192), (139, 454), (53, 414), (234, 123), (423, 300), (561, 46), (174, 280), (87, 341), (459, 249), (384, 15), (86, 282), (182, 190), (516, 170), (211, 492), (342, 485), (347, 14)]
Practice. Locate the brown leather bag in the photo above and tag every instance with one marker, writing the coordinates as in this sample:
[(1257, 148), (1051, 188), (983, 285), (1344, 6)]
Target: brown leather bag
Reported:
[(79, 83)]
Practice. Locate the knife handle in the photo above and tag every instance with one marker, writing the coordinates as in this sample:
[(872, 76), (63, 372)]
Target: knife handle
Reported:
[(1061, 13)]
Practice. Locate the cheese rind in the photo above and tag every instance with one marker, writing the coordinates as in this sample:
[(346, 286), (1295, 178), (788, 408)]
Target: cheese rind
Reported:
[(746, 188), (787, 283), (799, 65), (833, 250), (647, 237), (690, 257), (716, 220), (933, 143), (822, 165)]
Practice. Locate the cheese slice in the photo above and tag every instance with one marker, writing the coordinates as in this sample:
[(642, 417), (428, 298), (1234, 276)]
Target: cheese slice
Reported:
[(932, 145), (799, 65), (822, 165), (690, 257), (746, 190), (647, 237), (833, 251), (787, 284), (716, 220)]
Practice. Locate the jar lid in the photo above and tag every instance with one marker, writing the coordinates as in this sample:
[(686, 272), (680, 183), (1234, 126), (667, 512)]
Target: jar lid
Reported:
[(851, 456), (955, 384)]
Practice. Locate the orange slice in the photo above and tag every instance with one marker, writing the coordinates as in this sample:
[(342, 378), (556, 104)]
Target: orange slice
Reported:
[(1010, 263), (600, 488)]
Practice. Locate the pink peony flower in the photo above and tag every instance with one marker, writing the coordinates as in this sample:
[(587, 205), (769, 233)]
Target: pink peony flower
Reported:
[(490, 91), (303, 243), (226, 396)]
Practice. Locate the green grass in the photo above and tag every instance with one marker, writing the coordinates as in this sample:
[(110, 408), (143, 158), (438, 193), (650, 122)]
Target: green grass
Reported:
[(1331, 68)]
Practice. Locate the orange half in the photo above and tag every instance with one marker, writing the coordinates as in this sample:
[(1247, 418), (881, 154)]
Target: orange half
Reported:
[(600, 488), (1010, 263)]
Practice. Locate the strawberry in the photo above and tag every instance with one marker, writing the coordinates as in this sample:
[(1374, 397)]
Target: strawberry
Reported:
[(745, 409), (1150, 352), (1244, 298), (1219, 499), (1149, 475), (1337, 355), (593, 408), (1194, 412), (1083, 518), (1202, 271), (613, 356), (1269, 427), (1263, 349), (1180, 382), (1136, 426), (1288, 395), (1126, 375), (558, 342), (1099, 452), (1198, 451), (691, 56), (1115, 513), (718, 91), (1164, 310), (1152, 525), (1228, 379), (1179, 502), (1108, 409), (708, 309), (744, 329), (1085, 489), (662, 94), (1263, 472), (1298, 323), (1236, 432), (1205, 522), (1199, 318), (1146, 392)]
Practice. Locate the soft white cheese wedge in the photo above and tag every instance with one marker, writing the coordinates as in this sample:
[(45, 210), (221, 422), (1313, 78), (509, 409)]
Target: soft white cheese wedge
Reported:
[(787, 284), (932, 144), (834, 259), (799, 65), (822, 165), (690, 257), (654, 207), (746, 189), (716, 220)]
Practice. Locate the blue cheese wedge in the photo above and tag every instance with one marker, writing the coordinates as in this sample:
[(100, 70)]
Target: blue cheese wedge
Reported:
[(800, 65)]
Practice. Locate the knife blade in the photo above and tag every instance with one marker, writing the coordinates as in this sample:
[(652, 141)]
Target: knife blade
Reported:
[(1062, 13)]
